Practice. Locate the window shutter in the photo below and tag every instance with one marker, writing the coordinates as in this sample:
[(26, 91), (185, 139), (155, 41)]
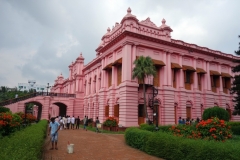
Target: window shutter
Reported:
[(199, 82), (223, 82), (212, 84), (119, 74), (192, 77), (107, 111), (228, 83), (173, 78), (109, 78), (218, 81), (116, 110), (140, 81), (156, 78), (184, 76)]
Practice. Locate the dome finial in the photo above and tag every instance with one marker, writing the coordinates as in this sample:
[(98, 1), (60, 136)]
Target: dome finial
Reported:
[(163, 21), (129, 10), (108, 29)]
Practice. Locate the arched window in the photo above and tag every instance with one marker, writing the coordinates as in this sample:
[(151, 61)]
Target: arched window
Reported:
[(89, 91), (100, 76), (95, 84)]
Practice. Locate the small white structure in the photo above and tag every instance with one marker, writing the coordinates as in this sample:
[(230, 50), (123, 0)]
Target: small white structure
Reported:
[(31, 85)]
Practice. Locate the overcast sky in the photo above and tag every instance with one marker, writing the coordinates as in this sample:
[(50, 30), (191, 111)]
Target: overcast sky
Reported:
[(40, 38)]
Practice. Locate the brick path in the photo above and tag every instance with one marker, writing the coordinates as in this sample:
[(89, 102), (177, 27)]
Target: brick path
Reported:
[(89, 145)]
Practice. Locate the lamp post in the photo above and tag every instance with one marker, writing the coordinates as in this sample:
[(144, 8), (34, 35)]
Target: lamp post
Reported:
[(47, 88), (156, 106)]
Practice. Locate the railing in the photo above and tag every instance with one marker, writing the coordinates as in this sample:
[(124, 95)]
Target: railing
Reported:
[(35, 94)]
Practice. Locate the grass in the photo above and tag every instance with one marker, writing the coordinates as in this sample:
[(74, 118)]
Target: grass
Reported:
[(90, 128)]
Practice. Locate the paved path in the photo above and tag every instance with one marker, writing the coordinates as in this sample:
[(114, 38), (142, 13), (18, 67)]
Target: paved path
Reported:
[(89, 145)]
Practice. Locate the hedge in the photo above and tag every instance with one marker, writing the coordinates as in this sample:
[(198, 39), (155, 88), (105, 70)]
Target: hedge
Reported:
[(167, 146), (25, 144), (215, 112)]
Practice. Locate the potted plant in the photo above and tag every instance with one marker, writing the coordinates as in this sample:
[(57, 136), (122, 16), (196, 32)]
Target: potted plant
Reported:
[(110, 123)]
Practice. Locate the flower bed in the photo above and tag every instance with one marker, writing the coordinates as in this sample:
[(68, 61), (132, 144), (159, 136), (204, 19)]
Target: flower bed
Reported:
[(211, 129), (110, 122)]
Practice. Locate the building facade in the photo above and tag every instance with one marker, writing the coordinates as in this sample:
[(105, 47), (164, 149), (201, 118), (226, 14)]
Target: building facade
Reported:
[(189, 78), (31, 85)]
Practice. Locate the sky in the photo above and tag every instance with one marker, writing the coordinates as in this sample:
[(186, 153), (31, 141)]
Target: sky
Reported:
[(39, 39)]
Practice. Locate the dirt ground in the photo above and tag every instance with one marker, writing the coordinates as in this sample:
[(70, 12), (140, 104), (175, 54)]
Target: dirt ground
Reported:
[(90, 145)]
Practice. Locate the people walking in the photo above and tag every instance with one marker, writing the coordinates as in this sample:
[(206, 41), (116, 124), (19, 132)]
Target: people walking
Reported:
[(53, 131), (97, 122), (72, 122), (68, 121), (77, 122), (64, 122), (84, 122), (180, 120), (61, 124)]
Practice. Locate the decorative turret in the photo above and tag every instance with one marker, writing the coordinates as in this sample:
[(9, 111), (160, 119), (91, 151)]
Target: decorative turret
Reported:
[(129, 16), (166, 30), (164, 26)]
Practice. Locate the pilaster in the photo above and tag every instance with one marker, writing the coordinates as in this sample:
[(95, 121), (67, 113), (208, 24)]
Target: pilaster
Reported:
[(128, 109)]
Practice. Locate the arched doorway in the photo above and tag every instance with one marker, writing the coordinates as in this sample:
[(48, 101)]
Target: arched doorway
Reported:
[(34, 108), (62, 109), (141, 112), (189, 110)]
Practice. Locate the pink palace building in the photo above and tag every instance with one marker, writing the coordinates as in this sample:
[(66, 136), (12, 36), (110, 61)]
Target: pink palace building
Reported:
[(189, 78)]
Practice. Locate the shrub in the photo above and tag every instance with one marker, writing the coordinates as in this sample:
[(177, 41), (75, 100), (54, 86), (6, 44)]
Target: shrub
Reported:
[(211, 129), (110, 122), (24, 144), (215, 112), (235, 130), (4, 110), (147, 127), (235, 127), (167, 146), (5, 123), (233, 124), (29, 117), (136, 138)]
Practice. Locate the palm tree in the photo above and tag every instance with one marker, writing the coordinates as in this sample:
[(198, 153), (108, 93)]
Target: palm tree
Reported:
[(144, 67)]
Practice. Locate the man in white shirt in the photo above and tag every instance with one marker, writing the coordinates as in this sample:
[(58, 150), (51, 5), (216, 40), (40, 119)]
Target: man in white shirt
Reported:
[(72, 122)]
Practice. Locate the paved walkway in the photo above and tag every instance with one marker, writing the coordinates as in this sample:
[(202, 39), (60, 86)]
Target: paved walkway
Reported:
[(89, 145)]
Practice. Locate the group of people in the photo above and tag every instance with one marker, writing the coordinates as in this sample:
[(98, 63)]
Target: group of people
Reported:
[(59, 123), (188, 121), (68, 122)]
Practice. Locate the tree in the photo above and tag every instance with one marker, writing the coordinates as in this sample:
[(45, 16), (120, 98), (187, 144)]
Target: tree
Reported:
[(215, 111), (236, 84), (144, 67)]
